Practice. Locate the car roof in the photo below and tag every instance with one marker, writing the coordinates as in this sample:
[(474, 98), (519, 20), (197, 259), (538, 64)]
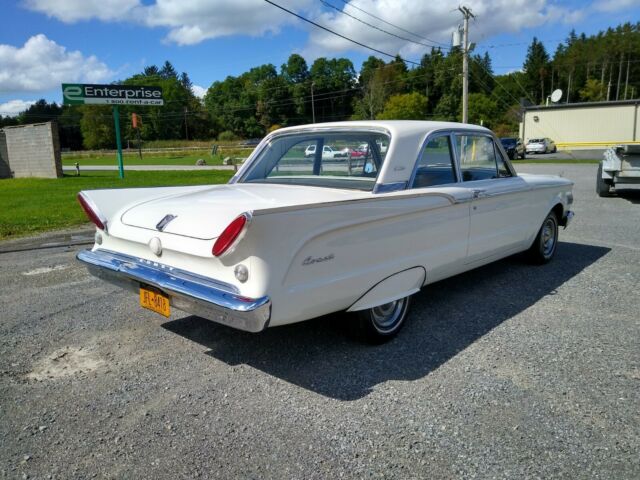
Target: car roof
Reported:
[(397, 128), (407, 138)]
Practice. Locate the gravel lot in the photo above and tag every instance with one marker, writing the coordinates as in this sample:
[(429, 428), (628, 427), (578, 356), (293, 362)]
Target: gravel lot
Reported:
[(509, 371)]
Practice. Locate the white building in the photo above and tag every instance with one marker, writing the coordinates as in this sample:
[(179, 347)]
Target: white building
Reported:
[(592, 125)]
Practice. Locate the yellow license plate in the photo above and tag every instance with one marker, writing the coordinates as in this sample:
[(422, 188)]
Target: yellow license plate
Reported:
[(155, 301)]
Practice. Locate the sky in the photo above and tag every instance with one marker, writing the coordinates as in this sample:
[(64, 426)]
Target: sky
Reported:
[(44, 43)]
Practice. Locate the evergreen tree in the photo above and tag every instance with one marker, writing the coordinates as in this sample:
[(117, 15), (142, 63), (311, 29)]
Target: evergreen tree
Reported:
[(537, 69), (167, 71)]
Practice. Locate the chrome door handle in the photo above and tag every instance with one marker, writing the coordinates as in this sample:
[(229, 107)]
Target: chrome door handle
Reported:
[(479, 193)]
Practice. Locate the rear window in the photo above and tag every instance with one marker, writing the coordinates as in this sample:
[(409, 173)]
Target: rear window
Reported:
[(536, 140), (350, 160)]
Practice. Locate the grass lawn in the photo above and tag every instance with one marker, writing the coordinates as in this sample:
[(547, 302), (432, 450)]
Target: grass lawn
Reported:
[(556, 160), (34, 205), (155, 159)]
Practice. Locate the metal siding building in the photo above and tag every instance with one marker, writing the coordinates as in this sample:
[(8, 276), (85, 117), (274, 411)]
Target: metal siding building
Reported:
[(584, 125)]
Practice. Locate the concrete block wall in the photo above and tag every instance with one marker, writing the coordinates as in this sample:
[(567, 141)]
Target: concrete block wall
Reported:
[(5, 170), (34, 150)]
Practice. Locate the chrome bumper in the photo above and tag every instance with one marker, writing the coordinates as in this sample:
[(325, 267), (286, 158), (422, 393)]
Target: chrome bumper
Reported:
[(187, 291)]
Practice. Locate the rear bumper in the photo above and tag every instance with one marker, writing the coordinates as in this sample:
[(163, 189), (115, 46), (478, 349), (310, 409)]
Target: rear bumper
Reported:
[(187, 291)]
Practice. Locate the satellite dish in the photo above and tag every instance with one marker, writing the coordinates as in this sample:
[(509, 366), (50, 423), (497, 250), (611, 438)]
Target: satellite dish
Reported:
[(556, 96)]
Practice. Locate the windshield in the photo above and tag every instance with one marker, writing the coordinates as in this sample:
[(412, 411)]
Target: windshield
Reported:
[(349, 160), (508, 141), (536, 140)]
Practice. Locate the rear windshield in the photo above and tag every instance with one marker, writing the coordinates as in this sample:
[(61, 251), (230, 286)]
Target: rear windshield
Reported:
[(350, 160), (508, 141), (536, 140)]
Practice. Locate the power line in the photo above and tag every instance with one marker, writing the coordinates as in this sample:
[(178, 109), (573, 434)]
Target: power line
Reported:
[(336, 33), (377, 28), (350, 4)]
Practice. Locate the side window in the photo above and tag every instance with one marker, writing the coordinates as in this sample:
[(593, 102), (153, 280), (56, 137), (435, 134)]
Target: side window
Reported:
[(435, 165), (503, 170), (477, 157)]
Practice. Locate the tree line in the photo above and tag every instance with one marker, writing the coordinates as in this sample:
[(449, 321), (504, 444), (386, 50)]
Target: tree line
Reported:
[(600, 67)]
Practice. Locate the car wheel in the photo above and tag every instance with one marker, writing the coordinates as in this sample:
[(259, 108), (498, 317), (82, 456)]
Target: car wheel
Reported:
[(544, 246), (603, 189), (379, 324), (523, 156)]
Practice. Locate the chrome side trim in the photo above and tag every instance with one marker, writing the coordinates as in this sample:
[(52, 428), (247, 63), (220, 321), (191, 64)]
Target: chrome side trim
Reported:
[(404, 194), (389, 187), (192, 293)]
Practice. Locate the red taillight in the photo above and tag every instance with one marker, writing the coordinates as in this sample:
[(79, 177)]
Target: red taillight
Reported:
[(229, 235), (91, 213)]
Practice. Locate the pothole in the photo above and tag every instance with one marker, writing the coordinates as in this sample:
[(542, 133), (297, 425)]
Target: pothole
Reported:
[(65, 362)]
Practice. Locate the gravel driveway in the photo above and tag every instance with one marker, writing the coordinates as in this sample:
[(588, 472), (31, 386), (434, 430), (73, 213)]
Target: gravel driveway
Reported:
[(508, 371)]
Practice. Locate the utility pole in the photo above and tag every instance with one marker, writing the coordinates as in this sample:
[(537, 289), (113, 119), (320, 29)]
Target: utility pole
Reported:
[(466, 13), (313, 104), (186, 125)]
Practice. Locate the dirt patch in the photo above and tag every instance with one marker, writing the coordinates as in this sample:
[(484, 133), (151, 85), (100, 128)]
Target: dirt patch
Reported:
[(64, 362)]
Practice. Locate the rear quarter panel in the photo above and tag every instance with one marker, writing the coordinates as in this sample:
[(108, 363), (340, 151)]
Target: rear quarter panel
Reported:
[(318, 260)]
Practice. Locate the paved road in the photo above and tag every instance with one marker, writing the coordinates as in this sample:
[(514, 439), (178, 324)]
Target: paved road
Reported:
[(589, 154), (509, 371)]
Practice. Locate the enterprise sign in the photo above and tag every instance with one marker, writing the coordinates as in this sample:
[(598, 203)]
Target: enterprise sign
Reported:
[(89, 94)]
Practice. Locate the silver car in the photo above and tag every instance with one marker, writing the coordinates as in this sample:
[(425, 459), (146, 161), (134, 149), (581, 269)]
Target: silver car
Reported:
[(541, 145)]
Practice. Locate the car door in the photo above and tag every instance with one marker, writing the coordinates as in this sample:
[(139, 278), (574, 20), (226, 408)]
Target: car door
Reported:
[(441, 235), (498, 220)]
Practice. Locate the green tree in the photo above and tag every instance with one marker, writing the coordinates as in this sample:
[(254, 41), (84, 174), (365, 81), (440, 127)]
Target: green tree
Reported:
[(407, 106), (40, 111), (295, 70), (483, 110), (334, 81), (97, 127), (537, 69), (592, 91)]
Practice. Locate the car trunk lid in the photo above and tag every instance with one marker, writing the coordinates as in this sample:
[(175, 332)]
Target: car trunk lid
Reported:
[(204, 214)]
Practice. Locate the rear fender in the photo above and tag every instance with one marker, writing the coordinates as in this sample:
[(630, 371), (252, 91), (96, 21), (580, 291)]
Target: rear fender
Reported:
[(398, 285)]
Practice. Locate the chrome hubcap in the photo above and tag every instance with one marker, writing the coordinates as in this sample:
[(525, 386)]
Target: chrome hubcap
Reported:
[(548, 237), (386, 316)]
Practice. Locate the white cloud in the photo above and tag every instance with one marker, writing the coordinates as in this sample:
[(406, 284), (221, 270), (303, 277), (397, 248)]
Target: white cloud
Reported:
[(41, 64), (198, 91), (188, 21), (70, 11), (615, 5), (14, 107), (192, 21), (434, 21)]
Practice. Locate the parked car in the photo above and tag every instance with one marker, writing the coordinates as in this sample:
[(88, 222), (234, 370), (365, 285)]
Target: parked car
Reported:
[(327, 152), (287, 240), (541, 145), (621, 165), (513, 146)]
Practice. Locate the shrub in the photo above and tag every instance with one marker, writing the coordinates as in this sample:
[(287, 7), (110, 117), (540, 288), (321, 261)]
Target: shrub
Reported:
[(227, 136)]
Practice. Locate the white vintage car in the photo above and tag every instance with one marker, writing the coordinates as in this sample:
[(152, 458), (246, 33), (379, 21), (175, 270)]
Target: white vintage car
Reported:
[(289, 238)]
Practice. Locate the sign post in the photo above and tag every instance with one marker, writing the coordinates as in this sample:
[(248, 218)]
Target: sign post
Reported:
[(114, 95), (116, 122)]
